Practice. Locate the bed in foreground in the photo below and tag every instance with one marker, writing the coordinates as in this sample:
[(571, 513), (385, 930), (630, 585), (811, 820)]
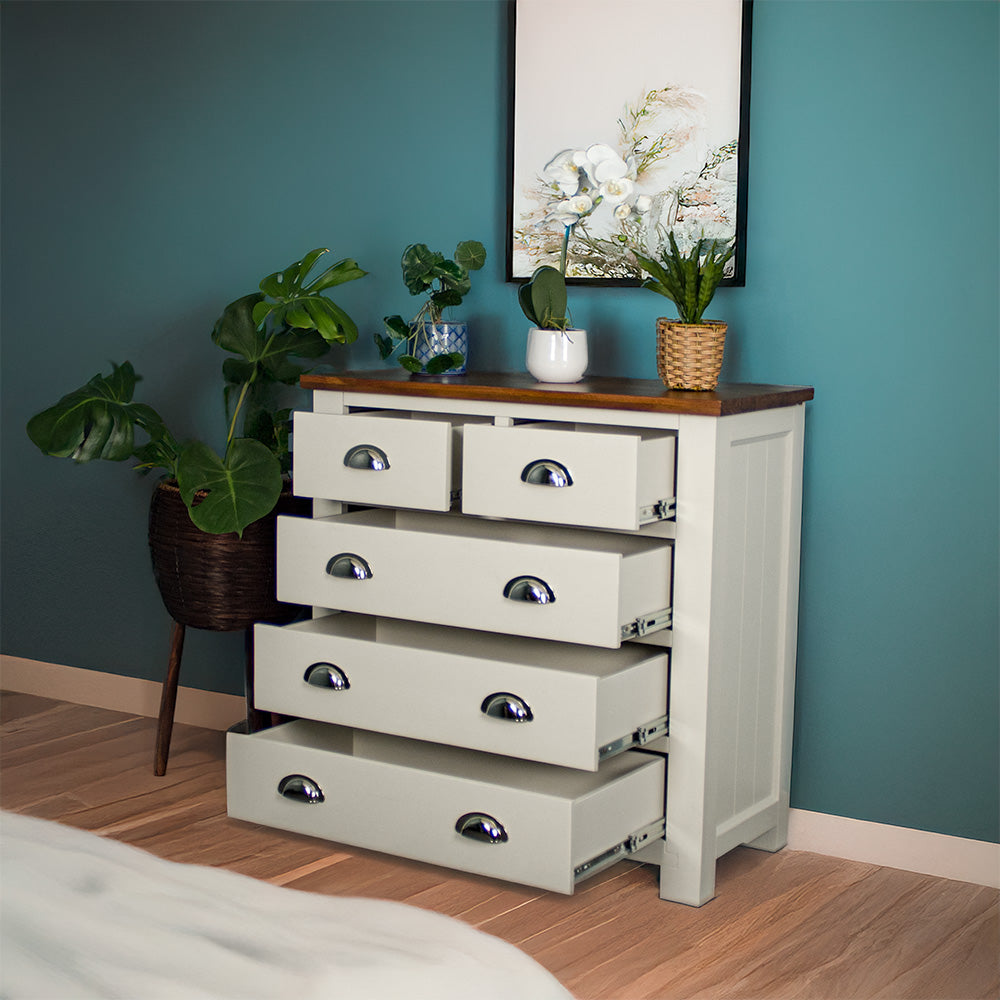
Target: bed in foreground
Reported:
[(83, 916)]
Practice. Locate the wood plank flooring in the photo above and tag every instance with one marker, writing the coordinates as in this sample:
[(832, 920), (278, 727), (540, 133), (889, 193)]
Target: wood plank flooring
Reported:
[(787, 926)]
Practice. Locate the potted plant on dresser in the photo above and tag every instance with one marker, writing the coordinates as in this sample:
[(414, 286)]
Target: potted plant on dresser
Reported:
[(688, 350), (433, 345), (212, 517), (556, 351)]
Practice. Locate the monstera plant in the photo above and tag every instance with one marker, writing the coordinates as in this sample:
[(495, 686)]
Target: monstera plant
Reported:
[(288, 318)]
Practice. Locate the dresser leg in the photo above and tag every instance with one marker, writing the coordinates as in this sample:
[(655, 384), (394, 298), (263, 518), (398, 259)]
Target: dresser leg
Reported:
[(168, 700), (256, 721)]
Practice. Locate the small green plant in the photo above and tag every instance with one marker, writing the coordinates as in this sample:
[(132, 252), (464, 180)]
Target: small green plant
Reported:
[(543, 299), (689, 281), (445, 283), (288, 317)]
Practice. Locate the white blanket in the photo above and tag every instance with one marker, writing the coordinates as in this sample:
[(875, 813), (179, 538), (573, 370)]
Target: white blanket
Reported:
[(84, 916)]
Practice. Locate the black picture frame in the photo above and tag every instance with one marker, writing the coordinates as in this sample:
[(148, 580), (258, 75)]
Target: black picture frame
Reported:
[(539, 89)]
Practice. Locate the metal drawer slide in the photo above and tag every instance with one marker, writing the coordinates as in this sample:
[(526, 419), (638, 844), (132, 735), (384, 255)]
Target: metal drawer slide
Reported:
[(629, 845), (640, 737)]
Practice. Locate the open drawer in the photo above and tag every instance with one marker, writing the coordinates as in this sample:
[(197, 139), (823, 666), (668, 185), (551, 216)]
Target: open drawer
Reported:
[(601, 477), (384, 457), (554, 702), (549, 583), (516, 820)]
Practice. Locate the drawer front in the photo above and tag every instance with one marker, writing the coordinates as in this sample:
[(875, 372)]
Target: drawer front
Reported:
[(544, 701), (525, 822), (458, 571), (386, 460), (600, 477)]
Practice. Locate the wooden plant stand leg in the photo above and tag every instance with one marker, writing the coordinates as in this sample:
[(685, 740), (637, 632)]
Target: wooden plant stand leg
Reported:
[(168, 700)]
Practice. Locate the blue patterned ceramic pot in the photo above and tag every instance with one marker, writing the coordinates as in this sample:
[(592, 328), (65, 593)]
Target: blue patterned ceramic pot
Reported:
[(442, 338)]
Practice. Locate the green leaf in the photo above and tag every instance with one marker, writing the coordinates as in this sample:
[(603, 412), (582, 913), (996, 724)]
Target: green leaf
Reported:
[(240, 488), (280, 369), (548, 297), (298, 317), (524, 298), (446, 297), (397, 327), (302, 344), (304, 308), (420, 267), (236, 371), (337, 274), (660, 288), (306, 264), (410, 363), (272, 285), (453, 277), (236, 329), (262, 311), (97, 420), (470, 254), (442, 362), (348, 328), (321, 319), (385, 346)]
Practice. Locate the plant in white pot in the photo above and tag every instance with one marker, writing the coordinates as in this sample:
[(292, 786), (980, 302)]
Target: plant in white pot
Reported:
[(556, 352), (433, 345), (688, 350)]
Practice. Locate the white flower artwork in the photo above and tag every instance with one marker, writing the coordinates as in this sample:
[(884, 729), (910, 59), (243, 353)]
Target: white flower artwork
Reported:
[(599, 171)]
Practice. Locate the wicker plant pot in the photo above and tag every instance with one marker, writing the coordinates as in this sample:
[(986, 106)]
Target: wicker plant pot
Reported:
[(219, 582), (689, 355)]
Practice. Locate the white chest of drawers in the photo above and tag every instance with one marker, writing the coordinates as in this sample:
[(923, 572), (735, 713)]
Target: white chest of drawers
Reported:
[(554, 628)]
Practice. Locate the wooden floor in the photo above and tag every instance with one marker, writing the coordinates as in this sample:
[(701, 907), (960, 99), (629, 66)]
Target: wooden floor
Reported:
[(791, 925)]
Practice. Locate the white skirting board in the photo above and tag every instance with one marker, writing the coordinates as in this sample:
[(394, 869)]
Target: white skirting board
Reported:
[(131, 695), (837, 836), (895, 847)]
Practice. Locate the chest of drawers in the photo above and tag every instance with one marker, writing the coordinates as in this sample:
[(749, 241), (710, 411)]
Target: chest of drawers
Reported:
[(553, 626)]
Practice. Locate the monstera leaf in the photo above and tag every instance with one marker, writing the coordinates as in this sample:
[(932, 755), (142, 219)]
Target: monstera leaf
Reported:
[(239, 489), (98, 420), (302, 306)]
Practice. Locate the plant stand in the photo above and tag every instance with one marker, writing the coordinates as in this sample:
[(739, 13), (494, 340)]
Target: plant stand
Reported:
[(255, 720), (221, 583)]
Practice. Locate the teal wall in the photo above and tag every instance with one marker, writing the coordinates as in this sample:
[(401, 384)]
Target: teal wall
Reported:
[(159, 158)]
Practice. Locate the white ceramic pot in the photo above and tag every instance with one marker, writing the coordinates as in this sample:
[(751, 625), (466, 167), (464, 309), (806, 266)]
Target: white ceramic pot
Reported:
[(557, 355)]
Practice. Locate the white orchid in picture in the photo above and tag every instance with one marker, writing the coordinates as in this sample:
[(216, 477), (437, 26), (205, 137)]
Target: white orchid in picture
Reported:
[(591, 204)]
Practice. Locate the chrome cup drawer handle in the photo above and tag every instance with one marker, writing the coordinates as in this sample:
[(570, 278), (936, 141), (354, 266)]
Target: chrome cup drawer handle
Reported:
[(504, 705), (366, 456), (530, 589), (481, 827), (349, 565), (299, 788), (327, 676), (546, 472)]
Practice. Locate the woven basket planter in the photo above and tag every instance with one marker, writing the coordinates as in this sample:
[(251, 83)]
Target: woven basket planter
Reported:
[(689, 355), (218, 582)]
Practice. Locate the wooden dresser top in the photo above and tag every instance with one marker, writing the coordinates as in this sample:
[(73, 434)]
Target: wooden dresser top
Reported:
[(600, 392)]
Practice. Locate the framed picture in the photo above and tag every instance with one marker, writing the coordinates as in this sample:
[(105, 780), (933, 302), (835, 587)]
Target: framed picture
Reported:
[(628, 123)]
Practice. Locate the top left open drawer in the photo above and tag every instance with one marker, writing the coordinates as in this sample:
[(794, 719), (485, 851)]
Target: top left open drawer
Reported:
[(386, 458)]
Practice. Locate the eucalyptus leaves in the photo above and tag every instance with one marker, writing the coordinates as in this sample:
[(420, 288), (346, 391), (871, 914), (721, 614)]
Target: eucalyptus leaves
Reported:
[(288, 318), (445, 283)]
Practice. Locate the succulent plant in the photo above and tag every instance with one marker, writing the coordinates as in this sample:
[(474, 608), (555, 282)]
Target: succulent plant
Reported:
[(689, 281)]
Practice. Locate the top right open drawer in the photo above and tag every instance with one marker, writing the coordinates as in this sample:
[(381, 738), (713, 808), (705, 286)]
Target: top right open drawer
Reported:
[(574, 474)]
